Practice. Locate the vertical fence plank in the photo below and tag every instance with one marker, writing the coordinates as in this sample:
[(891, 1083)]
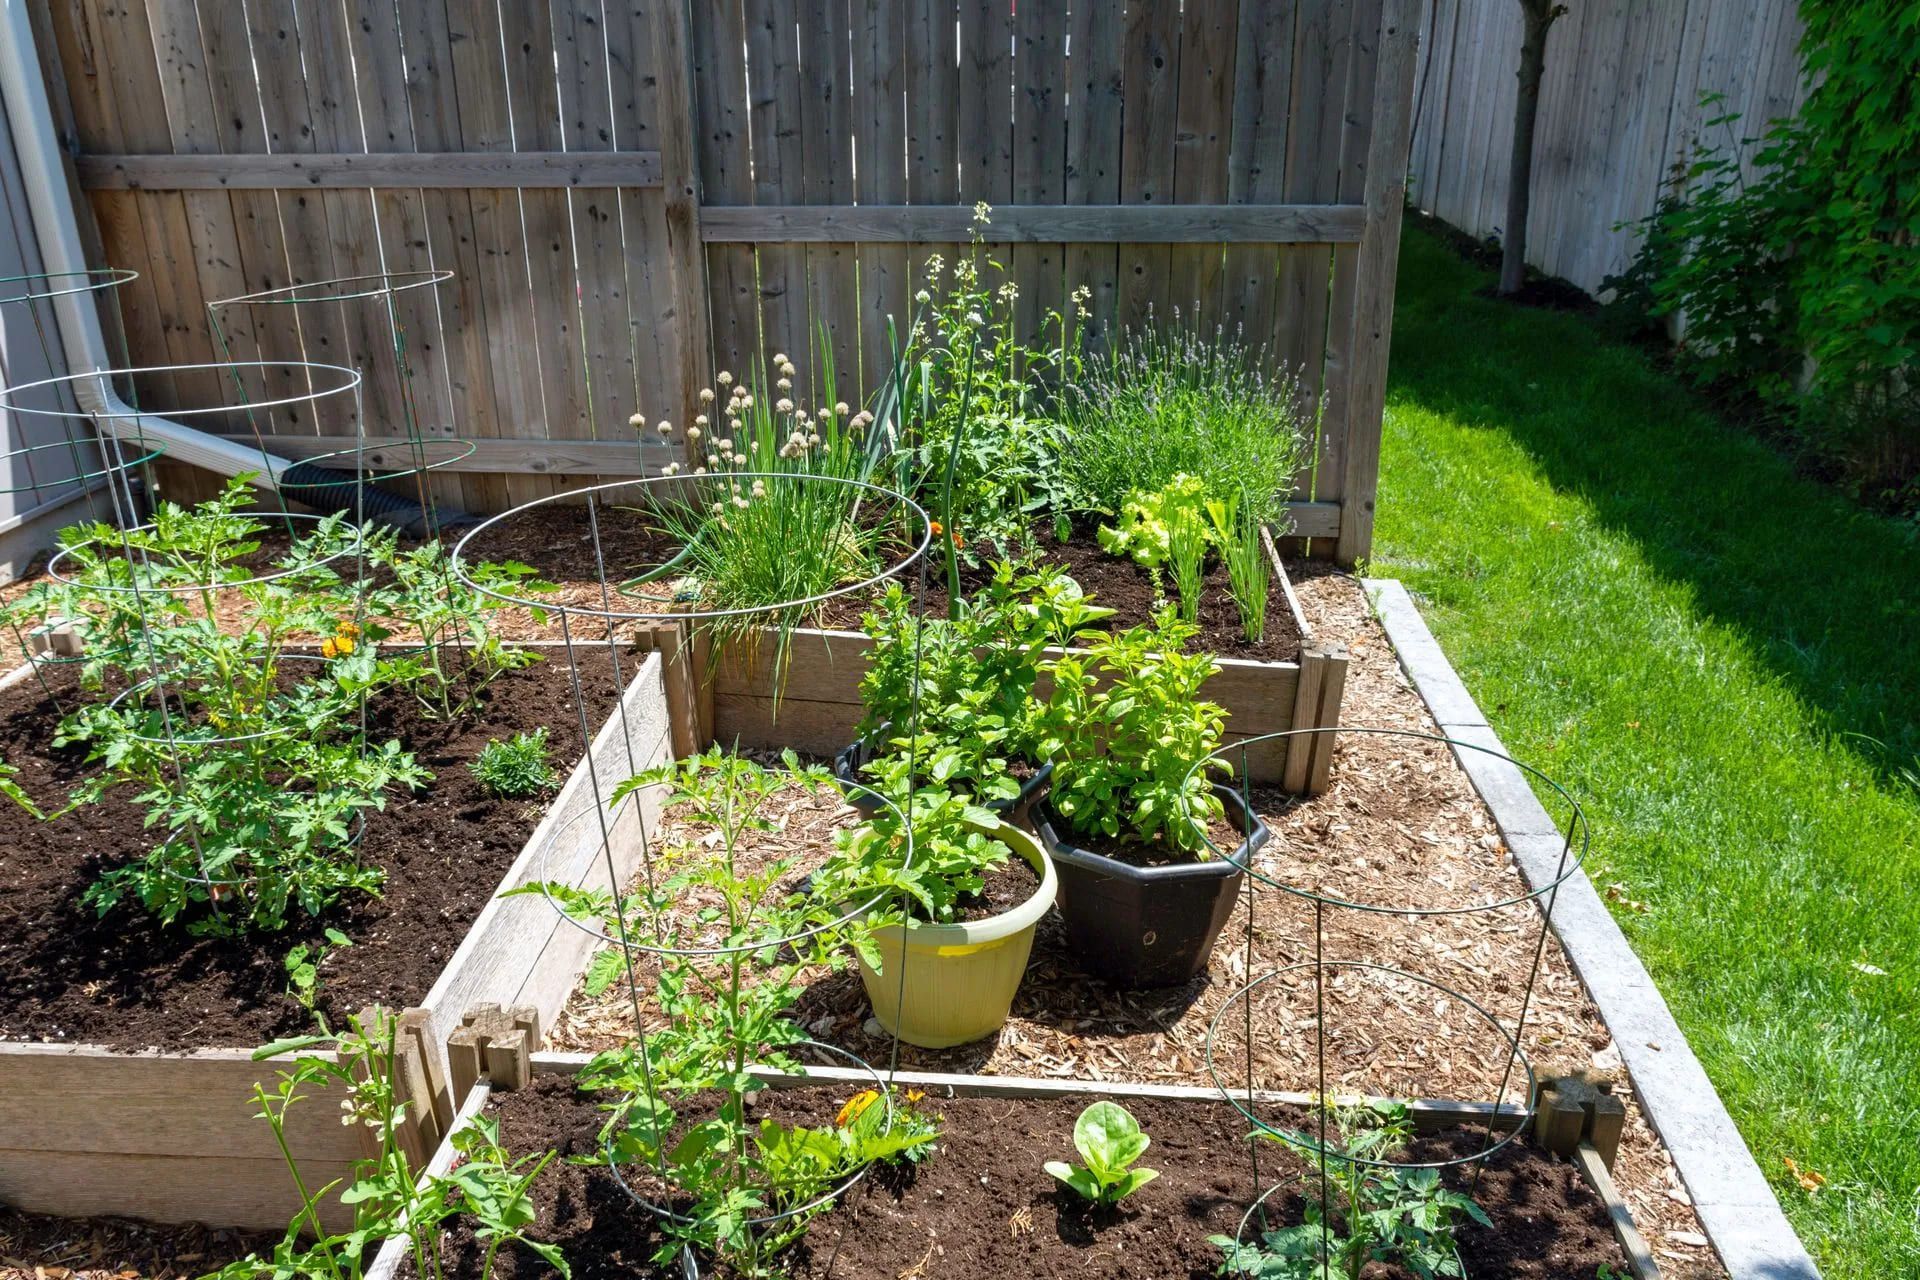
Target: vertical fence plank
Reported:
[(582, 44), (1256, 164), (826, 150), (725, 157), (650, 267), (453, 243), (773, 63), (1203, 139), (1379, 258), (1095, 66), (1039, 155), (532, 95), (878, 52), (506, 292), (237, 105), (1147, 151), (421, 342)]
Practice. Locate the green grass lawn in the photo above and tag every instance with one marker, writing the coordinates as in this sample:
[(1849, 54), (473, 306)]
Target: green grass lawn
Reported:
[(1722, 661)]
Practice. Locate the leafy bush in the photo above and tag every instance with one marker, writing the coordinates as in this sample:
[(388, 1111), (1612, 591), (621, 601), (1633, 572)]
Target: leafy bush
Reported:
[(253, 781), (516, 766), (1378, 1213), (976, 674), (1169, 401), (981, 440), (1125, 729), (952, 853), (1109, 1139), (1800, 283)]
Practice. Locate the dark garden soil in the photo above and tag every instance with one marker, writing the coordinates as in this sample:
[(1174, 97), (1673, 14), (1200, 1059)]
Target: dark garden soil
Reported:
[(1003, 888), (36, 1246), (1120, 585), (983, 1207), (125, 981)]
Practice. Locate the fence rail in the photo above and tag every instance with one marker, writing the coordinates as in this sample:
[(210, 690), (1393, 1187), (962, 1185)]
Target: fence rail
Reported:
[(630, 197), (1620, 107)]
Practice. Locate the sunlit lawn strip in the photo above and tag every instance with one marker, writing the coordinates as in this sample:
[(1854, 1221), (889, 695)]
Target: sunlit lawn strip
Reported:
[(1723, 660)]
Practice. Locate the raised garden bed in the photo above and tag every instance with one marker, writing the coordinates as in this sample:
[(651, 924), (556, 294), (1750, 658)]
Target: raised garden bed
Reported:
[(126, 1075), (1291, 681), (984, 1206)]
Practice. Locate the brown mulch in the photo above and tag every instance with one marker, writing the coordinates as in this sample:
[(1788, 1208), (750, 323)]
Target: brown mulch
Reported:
[(1401, 826), (123, 980), (983, 1206), (36, 1246)]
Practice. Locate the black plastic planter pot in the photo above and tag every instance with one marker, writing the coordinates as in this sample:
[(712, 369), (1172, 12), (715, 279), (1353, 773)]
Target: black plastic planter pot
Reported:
[(850, 763), (1146, 926)]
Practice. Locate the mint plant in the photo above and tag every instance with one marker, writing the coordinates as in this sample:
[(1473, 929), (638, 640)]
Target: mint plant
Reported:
[(1128, 733), (976, 675), (1109, 1139)]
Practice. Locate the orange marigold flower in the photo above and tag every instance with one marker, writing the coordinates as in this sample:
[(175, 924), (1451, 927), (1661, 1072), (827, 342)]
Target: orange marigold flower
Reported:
[(337, 647), (856, 1105), (347, 628), (936, 527)]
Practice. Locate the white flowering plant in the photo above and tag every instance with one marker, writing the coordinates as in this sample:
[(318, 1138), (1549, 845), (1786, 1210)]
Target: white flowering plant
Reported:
[(981, 439), (774, 508)]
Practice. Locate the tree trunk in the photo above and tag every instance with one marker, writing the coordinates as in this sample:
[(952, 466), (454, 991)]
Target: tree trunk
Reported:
[(1539, 15)]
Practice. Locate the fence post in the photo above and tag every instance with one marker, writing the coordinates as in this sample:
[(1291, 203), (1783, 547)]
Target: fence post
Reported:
[(1379, 262), (680, 178)]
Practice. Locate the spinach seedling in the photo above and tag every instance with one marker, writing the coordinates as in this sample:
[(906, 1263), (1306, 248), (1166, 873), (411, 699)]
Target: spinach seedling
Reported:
[(1109, 1139)]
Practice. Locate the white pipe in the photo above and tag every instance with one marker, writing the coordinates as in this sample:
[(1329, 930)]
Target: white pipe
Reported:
[(56, 231)]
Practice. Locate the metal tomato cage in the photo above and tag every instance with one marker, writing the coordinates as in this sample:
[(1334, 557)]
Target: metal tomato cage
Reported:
[(1321, 1152), (355, 476), (611, 559)]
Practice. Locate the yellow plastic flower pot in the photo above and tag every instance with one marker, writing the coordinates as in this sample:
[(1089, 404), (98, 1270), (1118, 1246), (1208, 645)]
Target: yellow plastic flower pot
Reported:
[(959, 979)]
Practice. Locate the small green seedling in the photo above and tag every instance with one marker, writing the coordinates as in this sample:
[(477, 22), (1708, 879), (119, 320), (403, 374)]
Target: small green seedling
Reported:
[(516, 766), (303, 967), (1109, 1139)]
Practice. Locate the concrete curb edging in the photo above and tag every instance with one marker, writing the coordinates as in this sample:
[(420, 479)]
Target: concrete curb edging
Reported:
[(1734, 1202)]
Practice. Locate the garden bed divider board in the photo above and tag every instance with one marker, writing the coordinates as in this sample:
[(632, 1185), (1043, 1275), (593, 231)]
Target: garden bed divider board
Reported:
[(172, 1137), (1428, 1115), (819, 703)]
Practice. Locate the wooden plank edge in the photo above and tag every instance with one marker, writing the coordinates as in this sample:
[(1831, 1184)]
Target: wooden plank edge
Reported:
[(394, 1251), (473, 951), (1201, 224), (356, 170), (1632, 1243), (1428, 1113)]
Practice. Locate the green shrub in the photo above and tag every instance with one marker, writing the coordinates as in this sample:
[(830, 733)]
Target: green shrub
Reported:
[(1800, 281), (516, 766), (1166, 402)]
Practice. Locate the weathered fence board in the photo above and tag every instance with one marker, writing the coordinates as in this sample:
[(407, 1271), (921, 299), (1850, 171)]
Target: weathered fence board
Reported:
[(1620, 109), (630, 197)]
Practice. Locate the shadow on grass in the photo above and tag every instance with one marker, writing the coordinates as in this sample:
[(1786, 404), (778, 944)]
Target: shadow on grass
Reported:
[(1825, 593)]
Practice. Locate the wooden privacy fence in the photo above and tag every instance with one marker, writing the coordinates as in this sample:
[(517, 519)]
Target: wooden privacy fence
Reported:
[(1620, 106), (632, 196)]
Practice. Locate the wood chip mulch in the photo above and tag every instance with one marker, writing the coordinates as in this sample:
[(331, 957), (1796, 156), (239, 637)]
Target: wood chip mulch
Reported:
[(1400, 827)]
